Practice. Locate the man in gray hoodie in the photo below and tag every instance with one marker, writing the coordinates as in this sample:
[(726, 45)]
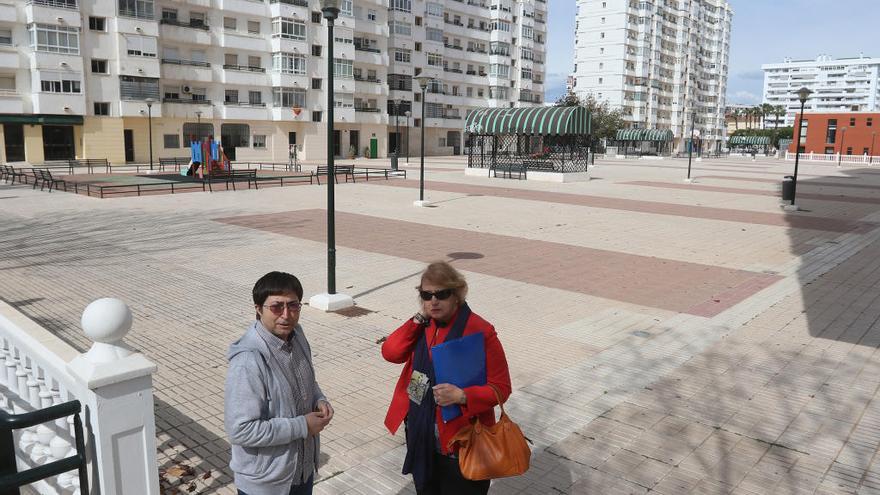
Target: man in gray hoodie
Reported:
[(274, 408)]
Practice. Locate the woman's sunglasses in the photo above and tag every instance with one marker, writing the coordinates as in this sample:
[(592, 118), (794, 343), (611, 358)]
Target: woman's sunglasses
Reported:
[(441, 295)]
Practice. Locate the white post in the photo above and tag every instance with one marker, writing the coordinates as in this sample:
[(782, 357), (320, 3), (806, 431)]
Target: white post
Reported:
[(118, 413)]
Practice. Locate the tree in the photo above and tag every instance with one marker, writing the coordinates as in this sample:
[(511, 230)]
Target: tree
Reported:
[(605, 120), (778, 111)]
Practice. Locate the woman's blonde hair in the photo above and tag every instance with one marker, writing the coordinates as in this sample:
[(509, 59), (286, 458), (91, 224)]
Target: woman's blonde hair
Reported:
[(442, 274)]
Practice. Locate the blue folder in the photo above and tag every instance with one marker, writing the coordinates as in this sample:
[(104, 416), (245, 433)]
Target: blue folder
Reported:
[(461, 362)]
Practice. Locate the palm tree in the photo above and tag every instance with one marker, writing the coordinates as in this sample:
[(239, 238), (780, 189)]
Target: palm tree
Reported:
[(778, 111)]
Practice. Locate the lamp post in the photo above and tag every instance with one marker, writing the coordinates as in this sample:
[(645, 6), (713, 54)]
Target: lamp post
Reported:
[(423, 84), (842, 140), (330, 301), (150, 126), (199, 126), (396, 103), (408, 113), (691, 146), (803, 94), (870, 159)]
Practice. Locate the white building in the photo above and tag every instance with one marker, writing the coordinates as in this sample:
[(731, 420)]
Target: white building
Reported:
[(660, 61), (254, 73), (838, 85)]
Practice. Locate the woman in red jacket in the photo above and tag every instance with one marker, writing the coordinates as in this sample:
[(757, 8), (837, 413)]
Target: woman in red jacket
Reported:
[(444, 314)]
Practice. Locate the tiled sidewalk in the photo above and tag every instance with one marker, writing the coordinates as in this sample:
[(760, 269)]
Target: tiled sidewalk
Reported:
[(672, 340)]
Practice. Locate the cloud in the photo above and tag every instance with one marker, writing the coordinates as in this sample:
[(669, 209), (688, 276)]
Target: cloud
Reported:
[(744, 97), (751, 75)]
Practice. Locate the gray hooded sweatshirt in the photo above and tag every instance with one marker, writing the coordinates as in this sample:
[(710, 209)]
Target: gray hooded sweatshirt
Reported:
[(260, 416)]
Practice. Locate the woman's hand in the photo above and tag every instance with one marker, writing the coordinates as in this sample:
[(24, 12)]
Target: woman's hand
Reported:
[(447, 394)]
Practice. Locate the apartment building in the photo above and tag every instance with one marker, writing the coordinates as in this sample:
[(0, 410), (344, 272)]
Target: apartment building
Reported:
[(84, 79), (838, 85), (663, 62)]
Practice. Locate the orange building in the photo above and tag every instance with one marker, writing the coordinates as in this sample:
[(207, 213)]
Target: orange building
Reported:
[(849, 133)]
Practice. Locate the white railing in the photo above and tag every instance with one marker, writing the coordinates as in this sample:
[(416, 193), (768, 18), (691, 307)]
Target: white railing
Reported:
[(113, 384), (835, 158)]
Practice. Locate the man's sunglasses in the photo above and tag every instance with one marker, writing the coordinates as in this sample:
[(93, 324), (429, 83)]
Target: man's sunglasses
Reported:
[(441, 295), (277, 309)]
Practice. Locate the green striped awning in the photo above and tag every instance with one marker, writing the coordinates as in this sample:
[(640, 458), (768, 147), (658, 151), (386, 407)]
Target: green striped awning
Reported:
[(644, 135), (561, 121), (750, 140)]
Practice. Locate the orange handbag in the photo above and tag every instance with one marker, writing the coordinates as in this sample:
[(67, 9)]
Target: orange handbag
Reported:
[(489, 452)]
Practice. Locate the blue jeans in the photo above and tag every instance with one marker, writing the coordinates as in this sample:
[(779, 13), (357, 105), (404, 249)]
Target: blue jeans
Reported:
[(304, 489)]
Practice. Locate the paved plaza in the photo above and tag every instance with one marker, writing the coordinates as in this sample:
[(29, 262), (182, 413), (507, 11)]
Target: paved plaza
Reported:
[(663, 337)]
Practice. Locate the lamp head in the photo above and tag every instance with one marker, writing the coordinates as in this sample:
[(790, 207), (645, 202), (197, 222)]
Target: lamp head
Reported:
[(423, 81), (803, 94), (149, 102), (330, 8), (407, 113)]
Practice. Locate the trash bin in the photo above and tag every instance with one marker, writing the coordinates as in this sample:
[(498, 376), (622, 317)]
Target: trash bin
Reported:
[(787, 188), (394, 161)]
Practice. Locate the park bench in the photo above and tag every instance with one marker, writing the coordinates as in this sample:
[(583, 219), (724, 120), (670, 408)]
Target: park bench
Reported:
[(347, 170), (173, 162), (508, 169), (365, 172), (89, 163), (44, 178), (227, 176), (300, 177), (9, 173)]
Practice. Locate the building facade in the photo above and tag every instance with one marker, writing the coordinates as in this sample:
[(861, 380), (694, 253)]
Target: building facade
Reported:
[(838, 85), (76, 77), (664, 63), (846, 133)]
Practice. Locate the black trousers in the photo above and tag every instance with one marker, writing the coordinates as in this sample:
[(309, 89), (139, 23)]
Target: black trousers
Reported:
[(447, 480)]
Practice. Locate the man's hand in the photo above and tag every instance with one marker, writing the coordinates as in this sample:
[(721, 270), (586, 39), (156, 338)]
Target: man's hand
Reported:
[(316, 422), (326, 409), (447, 393)]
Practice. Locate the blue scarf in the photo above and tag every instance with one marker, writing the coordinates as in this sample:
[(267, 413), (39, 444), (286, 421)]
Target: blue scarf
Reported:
[(421, 418)]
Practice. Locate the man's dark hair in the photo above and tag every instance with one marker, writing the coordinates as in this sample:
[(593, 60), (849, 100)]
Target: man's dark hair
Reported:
[(275, 284)]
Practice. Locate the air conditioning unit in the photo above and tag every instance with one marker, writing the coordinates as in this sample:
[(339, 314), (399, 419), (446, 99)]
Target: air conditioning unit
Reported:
[(185, 89)]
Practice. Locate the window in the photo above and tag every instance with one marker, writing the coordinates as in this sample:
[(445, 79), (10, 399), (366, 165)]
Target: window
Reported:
[(289, 63), (849, 150), (602, 20), (97, 24), (499, 48), (498, 92), (804, 125), (435, 60), (345, 8), (499, 70), (433, 34), (402, 28), (600, 80), (171, 141), (255, 97), (99, 66), (401, 5), (254, 27), (138, 88), (371, 15), (433, 110), (260, 141), (343, 69), (287, 28), (852, 121), (169, 14), (500, 26), (316, 83), (237, 135), (602, 36), (316, 116), (434, 9), (526, 73), (229, 59), (255, 61), (316, 17), (229, 23), (58, 82), (343, 100), (288, 97), (140, 46), (101, 108), (401, 55), (197, 19), (199, 94), (527, 32), (142, 9), (418, 46), (54, 39), (831, 133), (231, 96), (316, 50), (870, 122)]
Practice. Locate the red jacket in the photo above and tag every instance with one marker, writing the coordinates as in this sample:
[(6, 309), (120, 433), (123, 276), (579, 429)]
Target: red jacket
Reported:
[(480, 399)]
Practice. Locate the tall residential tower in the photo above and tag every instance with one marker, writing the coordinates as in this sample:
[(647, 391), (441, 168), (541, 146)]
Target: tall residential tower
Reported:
[(659, 61)]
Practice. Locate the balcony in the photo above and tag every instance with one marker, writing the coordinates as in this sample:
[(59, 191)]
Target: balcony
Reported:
[(186, 101), (194, 63), (190, 24), (11, 101), (243, 68), (367, 79), (366, 109), (454, 47), (364, 48), (297, 3), (55, 4), (244, 111), (187, 70)]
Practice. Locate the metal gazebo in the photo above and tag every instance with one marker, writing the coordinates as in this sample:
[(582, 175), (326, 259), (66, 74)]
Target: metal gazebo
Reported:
[(644, 141), (547, 139)]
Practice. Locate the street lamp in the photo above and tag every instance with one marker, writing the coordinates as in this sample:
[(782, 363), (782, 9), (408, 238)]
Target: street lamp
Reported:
[(396, 103), (408, 113), (199, 126), (803, 94), (870, 159), (150, 126), (691, 147), (423, 84), (842, 139), (330, 301)]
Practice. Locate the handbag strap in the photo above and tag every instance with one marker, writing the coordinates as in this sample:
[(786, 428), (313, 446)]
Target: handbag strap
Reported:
[(497, 396)]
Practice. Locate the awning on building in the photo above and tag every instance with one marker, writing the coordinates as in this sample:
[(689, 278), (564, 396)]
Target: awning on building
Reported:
[(749, 140), (18, 118), (644, 135), (560, 121)]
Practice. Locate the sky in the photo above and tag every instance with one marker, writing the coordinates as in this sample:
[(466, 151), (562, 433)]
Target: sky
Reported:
[(764, 32)]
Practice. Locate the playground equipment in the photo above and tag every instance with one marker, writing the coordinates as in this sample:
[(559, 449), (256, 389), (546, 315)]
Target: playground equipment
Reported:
[(207, 152)]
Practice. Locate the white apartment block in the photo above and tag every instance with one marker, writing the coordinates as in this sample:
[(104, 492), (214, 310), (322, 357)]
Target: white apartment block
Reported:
[(659, 61), (838, 85), (75, 76)]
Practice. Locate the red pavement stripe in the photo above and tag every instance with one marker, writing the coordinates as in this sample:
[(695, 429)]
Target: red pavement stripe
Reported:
[(754, 192), (730, 169), (647, 281), (651, 207), (801, 183)]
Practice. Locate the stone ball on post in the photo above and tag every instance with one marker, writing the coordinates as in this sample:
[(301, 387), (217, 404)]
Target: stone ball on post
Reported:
[(106, 320)]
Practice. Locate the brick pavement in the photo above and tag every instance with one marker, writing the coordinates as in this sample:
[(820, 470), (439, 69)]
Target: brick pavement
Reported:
[(773, 394)]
